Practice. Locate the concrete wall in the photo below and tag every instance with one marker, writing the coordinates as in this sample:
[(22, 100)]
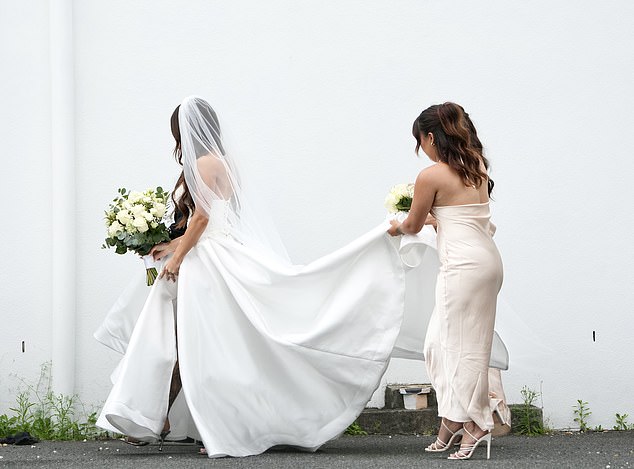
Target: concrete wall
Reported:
[(319, 97), (25, 179)]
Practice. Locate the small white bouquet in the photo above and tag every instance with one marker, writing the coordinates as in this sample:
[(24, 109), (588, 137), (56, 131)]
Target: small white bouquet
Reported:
[(135, 223), (399, 199)]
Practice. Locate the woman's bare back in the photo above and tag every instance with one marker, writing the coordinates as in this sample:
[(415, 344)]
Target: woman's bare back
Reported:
[(451, 189)]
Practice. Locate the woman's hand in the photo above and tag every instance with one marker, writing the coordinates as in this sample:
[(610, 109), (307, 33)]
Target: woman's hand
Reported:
[(180, 246), (161, 250), (394, 230), (171, 268)]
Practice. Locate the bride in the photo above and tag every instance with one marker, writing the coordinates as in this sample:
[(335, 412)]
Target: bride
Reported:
[(268, 353)]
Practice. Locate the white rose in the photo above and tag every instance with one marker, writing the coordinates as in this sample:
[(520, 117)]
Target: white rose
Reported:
[(400, 189), (137, 210), (115, 229), (390, 202), (140, 224), (160, 210), (124, 217), (135, 196), (154, 224)]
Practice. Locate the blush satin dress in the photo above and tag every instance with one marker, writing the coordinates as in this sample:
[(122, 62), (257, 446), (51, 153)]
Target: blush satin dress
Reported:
[(460, 333)]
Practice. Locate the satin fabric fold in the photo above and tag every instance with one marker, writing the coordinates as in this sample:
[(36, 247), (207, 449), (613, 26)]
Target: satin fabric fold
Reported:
[(269, 353)]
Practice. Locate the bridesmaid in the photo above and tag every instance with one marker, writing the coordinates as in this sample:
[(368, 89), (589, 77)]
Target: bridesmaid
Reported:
[(455, 191)]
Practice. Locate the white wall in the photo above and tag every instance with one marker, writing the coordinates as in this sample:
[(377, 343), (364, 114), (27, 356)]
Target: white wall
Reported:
[(25, 182), (319, 98)]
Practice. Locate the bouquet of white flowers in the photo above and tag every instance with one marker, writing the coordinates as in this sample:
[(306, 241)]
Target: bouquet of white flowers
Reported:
[(399, 199), (135, 223)]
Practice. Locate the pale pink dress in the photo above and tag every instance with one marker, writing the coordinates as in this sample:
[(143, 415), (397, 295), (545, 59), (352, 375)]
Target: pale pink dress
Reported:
[(460, 331)]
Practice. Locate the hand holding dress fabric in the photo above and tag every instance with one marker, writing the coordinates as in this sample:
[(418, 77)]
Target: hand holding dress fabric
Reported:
[(270, 353)]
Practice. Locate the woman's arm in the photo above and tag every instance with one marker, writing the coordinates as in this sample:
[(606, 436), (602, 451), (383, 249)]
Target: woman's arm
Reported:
[(208, 168), (424, 195), (195, 229)]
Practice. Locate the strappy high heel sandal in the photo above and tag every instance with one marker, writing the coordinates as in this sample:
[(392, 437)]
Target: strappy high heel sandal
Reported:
[(164, 433), (133, 441), (467, 450), (501, 416), (439, 446)]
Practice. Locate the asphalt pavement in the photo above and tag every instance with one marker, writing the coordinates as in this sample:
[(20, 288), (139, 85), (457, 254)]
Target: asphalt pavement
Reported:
[(607, 450)]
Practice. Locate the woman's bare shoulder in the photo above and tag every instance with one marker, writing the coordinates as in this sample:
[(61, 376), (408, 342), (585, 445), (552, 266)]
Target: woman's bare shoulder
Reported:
[(211, 169), (210, 164), (437, 171)]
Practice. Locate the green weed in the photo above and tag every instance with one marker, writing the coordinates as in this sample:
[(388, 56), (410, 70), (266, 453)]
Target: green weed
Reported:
[(582, 412), (621, 423), (529, 421), (355, 429), (49, 416)]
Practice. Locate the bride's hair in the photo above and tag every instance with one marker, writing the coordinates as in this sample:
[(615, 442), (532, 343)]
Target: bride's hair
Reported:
[(204, 141), (185, 203), (456, 140)]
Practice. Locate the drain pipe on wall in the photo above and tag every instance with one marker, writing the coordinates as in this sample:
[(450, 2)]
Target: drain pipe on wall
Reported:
[(63, 196)]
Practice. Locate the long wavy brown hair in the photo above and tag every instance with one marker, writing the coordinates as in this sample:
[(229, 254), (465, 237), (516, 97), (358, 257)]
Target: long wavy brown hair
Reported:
[(478, 145), (456, 140), (185, 203)]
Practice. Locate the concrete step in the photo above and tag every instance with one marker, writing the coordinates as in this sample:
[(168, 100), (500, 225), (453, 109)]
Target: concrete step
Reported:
[(425, 422), (394, 419), (399, 421)]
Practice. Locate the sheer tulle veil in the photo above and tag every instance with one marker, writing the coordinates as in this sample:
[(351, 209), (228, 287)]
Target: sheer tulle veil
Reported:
[(201, 136), (250, 225)]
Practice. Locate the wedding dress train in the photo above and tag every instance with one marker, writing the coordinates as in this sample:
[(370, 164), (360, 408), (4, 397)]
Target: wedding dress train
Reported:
[(269, 353)]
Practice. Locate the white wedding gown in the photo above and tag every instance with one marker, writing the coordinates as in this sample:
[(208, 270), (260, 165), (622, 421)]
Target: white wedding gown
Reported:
[(269, 354)]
